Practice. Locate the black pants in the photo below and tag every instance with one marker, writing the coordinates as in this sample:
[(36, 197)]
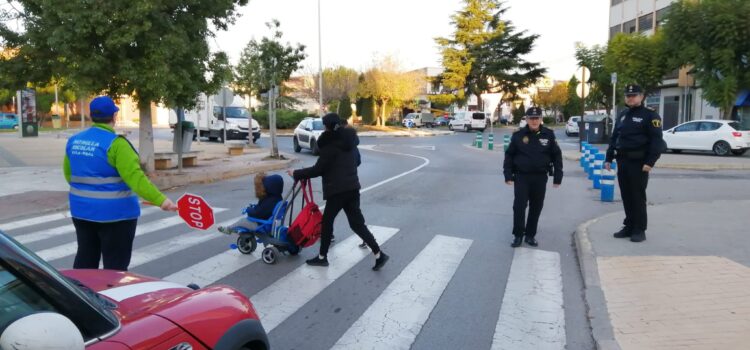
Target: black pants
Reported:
[(633, 181), (529, 189), (111, 240), (349, 201)]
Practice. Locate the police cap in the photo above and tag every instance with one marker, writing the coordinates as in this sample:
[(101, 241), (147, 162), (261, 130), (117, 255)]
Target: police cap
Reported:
[(534, 112), (633, 89)]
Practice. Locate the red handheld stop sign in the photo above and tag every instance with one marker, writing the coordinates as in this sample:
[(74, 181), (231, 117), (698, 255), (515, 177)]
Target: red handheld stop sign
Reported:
[(195, 211)]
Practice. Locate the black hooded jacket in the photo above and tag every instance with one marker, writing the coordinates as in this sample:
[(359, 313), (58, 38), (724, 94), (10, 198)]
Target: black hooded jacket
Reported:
[(274, 185), (337, 162)]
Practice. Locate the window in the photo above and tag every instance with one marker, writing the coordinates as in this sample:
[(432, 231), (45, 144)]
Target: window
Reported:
[(317, 125), (661, 16), (237, 112), (628, 27), (645, 22), (709, 126), (614, 30), (687, 127), (18, 299), (478, 116), (615, 2)]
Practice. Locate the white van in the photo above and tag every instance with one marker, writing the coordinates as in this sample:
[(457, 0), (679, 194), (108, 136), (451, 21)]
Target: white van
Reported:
[(468, 121), (208, 120)]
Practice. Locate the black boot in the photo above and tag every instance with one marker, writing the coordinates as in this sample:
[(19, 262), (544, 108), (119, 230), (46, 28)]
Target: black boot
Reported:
[(379, 262), (531, 241), (317, 261), (625, 232), (638, 236), (517, 240)]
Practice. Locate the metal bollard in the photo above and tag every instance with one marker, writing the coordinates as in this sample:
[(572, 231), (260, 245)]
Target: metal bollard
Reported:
[(608, 185), (506, 142), (478, 141), (592, 154), (490, 142), (598, 167)]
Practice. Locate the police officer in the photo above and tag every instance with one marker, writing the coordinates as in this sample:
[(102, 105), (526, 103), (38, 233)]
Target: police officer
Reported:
[(104, 174), (636, 143), (533, 153)]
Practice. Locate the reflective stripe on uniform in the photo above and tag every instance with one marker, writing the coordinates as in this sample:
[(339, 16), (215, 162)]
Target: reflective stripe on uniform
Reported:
[(89, 180), (100, 194)]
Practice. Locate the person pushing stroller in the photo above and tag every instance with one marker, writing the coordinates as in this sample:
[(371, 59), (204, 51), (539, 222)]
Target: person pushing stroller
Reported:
[(268, 190)]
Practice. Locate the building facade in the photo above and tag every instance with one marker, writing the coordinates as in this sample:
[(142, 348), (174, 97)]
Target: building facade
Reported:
[(680, 97)]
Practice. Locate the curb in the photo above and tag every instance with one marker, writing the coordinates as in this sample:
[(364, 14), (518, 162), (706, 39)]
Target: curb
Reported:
[(596, 305), (364, 134), (167, 181), (685, 166)]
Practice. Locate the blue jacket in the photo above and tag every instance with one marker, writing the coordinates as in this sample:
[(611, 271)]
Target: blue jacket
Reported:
[(274, 185)]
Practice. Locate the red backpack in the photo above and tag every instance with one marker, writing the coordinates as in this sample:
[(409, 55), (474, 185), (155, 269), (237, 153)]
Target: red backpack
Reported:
[(305, 230)]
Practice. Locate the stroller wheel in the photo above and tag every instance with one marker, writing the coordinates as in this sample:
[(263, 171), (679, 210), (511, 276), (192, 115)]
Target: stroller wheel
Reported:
[(246, 244), (269, 255)]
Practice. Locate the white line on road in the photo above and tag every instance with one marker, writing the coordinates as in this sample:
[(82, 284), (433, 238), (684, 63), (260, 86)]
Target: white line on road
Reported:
[(214, 268), (69, 249), (532, 315), (33, 221), (284, 297), (61, 230), (426, 162), (398, 314)]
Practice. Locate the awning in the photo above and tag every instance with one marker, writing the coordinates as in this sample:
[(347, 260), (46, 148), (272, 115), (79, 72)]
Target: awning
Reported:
[(743, 99)]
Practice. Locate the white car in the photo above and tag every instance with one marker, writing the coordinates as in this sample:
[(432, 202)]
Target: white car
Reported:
[(719, 136), (571, 128), (307, 134), (468, 121)]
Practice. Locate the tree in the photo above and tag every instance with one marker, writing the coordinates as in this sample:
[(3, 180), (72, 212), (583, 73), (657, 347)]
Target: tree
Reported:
[(153, 51), (388, 85), (573, 105), (485, 53), (265, 65), (712, 36), (554, 99), (638, 59), (339, 83), (600, 81)]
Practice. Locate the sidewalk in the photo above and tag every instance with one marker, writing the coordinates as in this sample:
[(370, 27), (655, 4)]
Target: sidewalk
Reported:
[(695, 161), (686, 287), (31, 179)]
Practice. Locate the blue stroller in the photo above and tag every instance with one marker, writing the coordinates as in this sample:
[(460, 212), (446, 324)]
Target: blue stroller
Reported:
[(270, 232)]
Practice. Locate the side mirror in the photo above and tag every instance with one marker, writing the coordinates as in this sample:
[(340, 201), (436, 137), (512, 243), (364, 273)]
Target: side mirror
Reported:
[(44, 330)]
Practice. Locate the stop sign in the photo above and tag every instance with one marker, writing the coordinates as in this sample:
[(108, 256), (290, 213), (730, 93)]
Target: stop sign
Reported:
[(195, 211)]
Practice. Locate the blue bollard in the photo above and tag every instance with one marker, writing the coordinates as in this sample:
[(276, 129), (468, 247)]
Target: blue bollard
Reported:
[(585, 160), (608, 185), (584, 149), (590, 167), (598, 167)]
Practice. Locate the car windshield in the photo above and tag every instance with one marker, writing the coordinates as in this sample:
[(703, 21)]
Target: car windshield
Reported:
[(737, 126), (237, 112), (317, 125)]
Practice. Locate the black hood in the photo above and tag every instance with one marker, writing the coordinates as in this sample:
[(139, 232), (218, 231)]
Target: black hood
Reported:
[(343, 138), (274, 184)]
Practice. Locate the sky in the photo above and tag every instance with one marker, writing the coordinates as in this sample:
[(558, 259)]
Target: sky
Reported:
[(357, 32)]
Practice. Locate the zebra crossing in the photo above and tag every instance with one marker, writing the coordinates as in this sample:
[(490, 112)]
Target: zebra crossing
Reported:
[(531, 315)]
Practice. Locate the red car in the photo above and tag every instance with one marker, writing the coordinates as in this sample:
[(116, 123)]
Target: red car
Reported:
[(102, 309)]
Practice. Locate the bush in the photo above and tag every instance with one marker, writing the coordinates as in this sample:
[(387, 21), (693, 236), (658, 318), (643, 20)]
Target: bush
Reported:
[(285, 118), (549, 120)]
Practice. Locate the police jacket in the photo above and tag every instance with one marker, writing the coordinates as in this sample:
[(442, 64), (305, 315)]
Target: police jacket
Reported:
[(337, 162), (533, 153), (637, 135)]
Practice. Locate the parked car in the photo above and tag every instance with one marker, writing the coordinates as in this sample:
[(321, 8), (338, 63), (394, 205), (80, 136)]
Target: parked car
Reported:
[(442, 121), (307, 134), (505, 120), (115, 310), (8, 121), (468, 121), (571, 128), (719, 136)]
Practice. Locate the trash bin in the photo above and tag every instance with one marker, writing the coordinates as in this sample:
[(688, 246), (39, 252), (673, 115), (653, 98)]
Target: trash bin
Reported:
[(56, 122), (595, 128), (188, 129)]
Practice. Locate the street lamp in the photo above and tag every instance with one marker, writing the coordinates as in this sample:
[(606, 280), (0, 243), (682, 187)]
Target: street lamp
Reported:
[(320, 67)]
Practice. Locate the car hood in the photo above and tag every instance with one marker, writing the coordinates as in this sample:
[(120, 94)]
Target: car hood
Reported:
[(138, 297)]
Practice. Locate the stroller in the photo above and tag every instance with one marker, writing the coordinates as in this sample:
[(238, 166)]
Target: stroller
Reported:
[(270, 232)]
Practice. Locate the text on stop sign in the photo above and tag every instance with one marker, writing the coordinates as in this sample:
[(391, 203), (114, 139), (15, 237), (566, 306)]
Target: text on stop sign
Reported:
[(195, 212)]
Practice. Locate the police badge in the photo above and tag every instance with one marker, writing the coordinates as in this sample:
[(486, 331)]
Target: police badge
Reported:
[(656, 123), (525, 139)]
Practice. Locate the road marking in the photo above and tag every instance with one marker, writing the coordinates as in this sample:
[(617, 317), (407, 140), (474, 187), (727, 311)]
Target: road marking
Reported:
[(532, 314), (33, 221), (70, 248), (431, 148), (214, 268), (426, 162), (62, 230), (284, 297), (398, 314)]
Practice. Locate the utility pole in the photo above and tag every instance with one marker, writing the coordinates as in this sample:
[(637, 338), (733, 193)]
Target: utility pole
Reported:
[(320, 67)]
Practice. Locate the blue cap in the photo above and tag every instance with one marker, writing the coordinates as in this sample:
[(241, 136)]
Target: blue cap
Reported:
[(633, 89), (103, 107), (534, 112)]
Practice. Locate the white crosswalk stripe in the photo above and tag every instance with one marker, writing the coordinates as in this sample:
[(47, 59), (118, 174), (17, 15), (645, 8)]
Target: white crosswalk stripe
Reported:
[(214, 268), (33, 221), (283, 298), (397, 315)]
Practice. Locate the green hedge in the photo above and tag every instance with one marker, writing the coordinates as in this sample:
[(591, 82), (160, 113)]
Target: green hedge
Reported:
[(285, 118), (549, 120)]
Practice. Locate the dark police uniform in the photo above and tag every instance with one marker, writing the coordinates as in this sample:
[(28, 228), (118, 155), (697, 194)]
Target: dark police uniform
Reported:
[(636, 141), (530, 157)]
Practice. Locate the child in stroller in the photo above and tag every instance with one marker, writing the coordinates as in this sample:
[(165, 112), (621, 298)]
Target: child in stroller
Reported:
[(268, 190)]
